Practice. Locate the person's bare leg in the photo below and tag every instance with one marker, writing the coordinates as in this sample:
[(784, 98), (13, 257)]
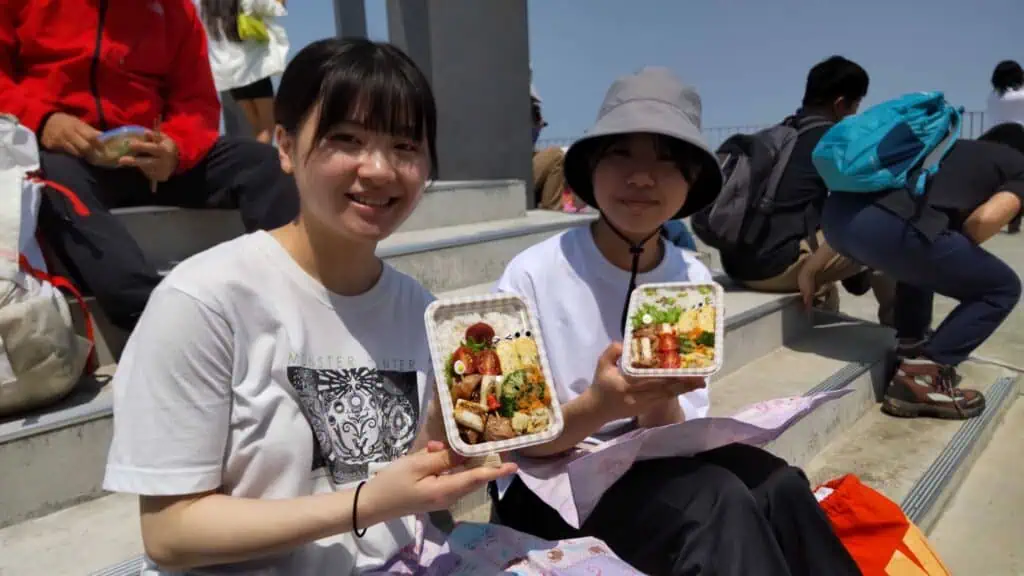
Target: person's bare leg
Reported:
[(263, 125), (251, 115)]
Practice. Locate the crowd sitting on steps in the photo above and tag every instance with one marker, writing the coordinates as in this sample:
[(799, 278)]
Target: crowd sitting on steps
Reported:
[(217, 431)]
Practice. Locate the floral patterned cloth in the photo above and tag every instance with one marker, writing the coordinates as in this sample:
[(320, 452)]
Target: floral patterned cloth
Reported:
[(473, 549)]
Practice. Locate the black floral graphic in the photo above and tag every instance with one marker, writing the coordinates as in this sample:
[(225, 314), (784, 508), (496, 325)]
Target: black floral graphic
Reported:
[(359, 416)]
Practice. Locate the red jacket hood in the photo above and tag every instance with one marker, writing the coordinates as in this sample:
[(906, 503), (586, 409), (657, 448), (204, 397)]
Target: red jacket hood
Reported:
[(111, 63)]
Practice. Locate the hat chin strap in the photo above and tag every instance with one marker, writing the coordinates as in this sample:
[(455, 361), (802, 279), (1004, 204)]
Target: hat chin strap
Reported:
[(636, 249)]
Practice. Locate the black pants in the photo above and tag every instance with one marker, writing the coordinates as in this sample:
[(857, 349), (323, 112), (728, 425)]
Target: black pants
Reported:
[(733, 511), (99, 252), (259, 89)]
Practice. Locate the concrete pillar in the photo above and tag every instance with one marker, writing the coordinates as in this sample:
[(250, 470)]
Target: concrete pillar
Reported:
[(350, 18), (476, 54)]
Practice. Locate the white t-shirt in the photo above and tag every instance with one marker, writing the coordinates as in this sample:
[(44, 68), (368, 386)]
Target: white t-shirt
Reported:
[(578, 297), (236, 346), (238, 64), (1005, 108)]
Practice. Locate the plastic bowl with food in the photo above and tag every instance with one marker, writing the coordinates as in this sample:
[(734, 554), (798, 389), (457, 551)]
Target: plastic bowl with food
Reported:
[(117, 143)]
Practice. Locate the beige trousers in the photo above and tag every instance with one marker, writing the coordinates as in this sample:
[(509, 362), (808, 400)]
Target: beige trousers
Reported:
[(837, 269)]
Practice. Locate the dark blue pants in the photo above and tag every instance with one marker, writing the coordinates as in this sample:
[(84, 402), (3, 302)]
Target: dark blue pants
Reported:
[(676, 232), (951, 265)]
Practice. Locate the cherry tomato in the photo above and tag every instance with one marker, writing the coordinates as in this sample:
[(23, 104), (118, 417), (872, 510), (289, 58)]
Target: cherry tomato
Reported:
[(669, 360), (464, 355), (487, 362), (668, 343), (492, 402)]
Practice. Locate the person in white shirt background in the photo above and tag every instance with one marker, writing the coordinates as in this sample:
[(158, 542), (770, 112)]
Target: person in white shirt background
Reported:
[(1005, 114), (1006, 102), (736, 510), (243, 67), (265, 402)]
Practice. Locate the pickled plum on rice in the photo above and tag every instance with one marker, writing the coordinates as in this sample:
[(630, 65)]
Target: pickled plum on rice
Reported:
[(497, 386)]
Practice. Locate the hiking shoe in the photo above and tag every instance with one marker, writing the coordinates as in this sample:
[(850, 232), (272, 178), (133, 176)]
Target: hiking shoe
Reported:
[(923, 388)]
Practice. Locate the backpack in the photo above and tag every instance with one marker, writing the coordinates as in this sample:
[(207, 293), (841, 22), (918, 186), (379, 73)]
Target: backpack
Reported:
[(41, 355), (895, 144), (752, 165)]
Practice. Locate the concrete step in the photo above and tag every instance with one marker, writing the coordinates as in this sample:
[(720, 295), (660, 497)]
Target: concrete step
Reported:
[(37, 450), (920, 462), (444, 204), (452, 257), (79, 540), (981, 530), (835, 354)]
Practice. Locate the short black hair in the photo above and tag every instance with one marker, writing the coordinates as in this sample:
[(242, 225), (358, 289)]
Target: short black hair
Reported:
[(372, 84), (685, 156), (1008, 75), (833, 78)]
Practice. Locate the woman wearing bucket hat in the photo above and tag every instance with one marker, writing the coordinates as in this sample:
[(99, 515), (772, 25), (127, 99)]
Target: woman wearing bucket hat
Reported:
[(731, 511)]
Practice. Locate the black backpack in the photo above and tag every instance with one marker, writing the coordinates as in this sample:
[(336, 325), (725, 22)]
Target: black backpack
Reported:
[(752, 165)]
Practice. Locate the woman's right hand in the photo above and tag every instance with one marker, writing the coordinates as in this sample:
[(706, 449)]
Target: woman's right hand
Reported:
[(418, 483), (618, 396)]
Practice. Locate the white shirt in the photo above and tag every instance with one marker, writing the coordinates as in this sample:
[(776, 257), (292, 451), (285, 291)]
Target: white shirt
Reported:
[(237, 64), (1005, 108), (235, 348), (578, 296)]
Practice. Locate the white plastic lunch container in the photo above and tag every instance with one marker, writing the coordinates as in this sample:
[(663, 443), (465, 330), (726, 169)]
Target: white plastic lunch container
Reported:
[(655, 306), (510, 316)]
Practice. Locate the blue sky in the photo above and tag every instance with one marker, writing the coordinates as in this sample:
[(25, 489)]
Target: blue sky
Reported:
[(748, 58)]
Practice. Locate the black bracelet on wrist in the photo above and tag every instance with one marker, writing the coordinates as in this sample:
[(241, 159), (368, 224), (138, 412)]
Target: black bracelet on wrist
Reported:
[(355, 508)]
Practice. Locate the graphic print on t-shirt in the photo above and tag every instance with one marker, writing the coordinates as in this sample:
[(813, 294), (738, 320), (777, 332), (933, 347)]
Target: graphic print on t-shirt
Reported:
[(359, 416)]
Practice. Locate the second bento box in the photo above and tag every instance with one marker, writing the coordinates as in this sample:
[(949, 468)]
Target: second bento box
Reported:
[(674, 329)]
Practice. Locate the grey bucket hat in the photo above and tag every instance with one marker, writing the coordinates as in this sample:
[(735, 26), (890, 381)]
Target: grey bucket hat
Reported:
[(653, 101)]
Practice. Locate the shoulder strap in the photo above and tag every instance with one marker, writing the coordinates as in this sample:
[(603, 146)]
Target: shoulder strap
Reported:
[(63, 283), (930, 164), (801, 125)]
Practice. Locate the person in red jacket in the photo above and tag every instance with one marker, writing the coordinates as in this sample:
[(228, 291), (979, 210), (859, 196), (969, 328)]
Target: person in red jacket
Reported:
[(73, 69)]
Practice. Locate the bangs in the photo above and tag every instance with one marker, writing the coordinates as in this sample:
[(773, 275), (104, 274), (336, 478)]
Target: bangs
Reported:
[(684, 155), (376, 98), (373, 85)]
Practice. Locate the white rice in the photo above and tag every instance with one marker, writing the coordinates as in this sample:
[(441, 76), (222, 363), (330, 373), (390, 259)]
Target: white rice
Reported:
[(452, 331)]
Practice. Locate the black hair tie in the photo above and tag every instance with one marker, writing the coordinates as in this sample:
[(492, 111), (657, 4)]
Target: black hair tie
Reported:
[(636, 249), (355, 508)]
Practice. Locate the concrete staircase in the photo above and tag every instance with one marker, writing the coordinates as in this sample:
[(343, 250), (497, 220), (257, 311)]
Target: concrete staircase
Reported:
[(55, 520)]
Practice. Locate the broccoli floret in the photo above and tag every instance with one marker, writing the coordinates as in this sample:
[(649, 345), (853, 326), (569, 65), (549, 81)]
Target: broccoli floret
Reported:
[(511, 387)]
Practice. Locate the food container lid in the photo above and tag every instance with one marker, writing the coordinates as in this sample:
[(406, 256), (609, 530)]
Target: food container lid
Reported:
[(518, 311), (121, 132), (713, 295)]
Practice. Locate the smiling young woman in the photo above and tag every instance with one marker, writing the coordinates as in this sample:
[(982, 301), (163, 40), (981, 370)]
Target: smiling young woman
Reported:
[(271, 376)]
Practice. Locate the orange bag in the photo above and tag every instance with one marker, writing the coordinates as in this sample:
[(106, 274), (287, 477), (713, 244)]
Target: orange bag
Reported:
[(876, 532)]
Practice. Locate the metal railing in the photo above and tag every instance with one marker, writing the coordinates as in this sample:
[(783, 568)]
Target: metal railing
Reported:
[(973, 126)]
